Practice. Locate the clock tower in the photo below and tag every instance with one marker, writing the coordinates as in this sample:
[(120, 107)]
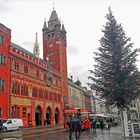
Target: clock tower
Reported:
[(55, 47)]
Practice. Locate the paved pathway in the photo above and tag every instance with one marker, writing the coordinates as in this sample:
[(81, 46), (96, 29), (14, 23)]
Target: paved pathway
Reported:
[(115, 133)]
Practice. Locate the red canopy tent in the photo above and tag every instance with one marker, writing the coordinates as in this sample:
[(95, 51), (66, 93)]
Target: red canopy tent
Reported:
[(69, 111)]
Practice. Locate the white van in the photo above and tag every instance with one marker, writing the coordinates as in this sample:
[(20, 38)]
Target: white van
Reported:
[(12, 124)]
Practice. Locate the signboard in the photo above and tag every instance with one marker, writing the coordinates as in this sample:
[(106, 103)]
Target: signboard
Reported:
[(129, 128), (136, 128), (82, 111)]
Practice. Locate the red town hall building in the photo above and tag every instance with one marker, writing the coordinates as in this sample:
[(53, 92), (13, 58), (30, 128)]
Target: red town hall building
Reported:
[(31, 88)]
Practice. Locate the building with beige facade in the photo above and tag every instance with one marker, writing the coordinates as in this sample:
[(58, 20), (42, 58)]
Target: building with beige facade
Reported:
[(79, 97)]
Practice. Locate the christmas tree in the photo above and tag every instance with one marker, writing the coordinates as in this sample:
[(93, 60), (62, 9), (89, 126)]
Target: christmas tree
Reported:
[(115, 76)]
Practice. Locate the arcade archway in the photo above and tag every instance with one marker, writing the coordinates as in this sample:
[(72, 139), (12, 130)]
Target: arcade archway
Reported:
[(48, 116), (38, 119), (56, 116)]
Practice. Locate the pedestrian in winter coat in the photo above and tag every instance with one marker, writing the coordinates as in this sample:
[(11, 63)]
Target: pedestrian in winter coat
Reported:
[(87, 124), (1, 124), (77, 128), (70, 124), (94, 125), (101, 124), (45, 121), (74, 127)]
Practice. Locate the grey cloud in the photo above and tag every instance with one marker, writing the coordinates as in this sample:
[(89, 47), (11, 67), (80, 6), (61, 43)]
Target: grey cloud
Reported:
[(4, 5), (83, 77), (76, 68), (80, 73), (72, 50), (28, 45)]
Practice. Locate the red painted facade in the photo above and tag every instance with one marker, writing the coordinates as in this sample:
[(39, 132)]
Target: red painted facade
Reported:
[(5, 40), (54, 47), (27, 94)]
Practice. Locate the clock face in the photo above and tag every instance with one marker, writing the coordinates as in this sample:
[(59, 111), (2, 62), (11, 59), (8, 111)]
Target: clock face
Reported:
[(58, 42)]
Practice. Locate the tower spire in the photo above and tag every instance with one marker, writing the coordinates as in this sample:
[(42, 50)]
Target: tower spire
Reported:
[(36, 47), (53, 6), (45, 25), (53, 21), (36, 38)]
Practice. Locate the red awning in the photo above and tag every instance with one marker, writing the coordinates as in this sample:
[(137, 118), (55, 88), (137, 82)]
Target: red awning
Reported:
[(69, 111), (84, 111)]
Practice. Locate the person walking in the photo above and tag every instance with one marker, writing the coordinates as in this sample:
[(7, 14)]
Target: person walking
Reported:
[(76, 127), (87, 124), (79, 125), (94, 125), (45, 121), (70, 124), (1, 124), (101, 124)]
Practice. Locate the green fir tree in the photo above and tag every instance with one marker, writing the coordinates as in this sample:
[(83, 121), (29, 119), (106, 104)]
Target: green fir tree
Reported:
[(115, 76)]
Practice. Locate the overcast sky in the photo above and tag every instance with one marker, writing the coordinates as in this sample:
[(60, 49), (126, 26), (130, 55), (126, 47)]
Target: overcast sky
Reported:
[(83, 22)]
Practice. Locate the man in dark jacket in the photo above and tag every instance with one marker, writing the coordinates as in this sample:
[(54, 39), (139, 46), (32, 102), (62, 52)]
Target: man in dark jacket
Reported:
[(74, 126), (1, 124), (77, 128), (70, 124)]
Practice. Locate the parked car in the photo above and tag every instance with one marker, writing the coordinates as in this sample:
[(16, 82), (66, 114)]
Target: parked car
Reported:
[(12, 124)]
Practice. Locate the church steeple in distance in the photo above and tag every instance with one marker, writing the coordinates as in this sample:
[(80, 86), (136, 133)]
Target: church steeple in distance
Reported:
[(36, 47)]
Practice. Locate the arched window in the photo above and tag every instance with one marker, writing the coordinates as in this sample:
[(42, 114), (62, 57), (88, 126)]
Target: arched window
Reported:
[(59, 98), (18, 89), (13, 88), (37, 74), (0, 112), (34, 92), (53, 35), (51, 96), (55, 97), (40, 94), (2, 85), (26, 90), (49, 36), (25, 69), (46, 94), (1, 39), (16, 66), (2, 59)]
